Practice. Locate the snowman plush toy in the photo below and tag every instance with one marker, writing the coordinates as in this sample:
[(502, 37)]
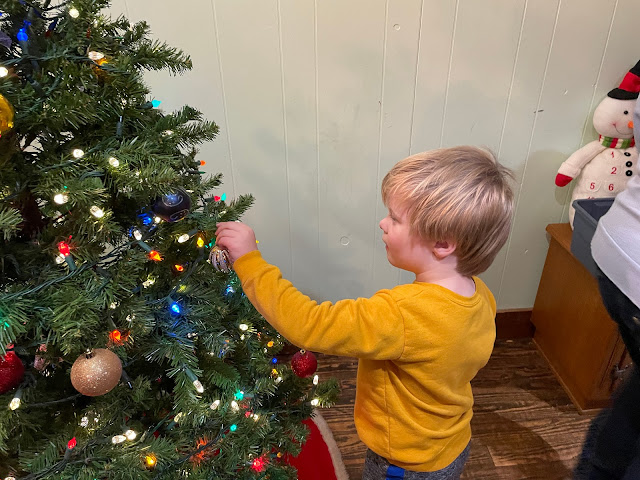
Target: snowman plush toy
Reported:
[(603, 167)]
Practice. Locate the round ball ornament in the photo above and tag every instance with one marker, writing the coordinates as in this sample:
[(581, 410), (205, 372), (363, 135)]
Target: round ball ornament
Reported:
[(304, 364), (173, 207), (96, 372), (6, 115), (11, 371), (220, 260)]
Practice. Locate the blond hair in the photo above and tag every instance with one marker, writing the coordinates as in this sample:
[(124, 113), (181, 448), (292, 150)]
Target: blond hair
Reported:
[(460, 195)]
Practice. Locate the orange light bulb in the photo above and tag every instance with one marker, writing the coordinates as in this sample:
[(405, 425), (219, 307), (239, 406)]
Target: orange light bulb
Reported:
[(155, 256)]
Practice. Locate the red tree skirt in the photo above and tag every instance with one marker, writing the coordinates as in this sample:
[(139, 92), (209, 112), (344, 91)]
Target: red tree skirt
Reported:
[(320, 457)]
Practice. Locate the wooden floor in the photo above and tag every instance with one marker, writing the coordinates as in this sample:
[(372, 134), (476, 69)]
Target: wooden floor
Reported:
[(524, 425)]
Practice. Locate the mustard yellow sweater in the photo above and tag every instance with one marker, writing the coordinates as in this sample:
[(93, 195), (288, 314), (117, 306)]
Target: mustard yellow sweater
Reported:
[(419, 346)]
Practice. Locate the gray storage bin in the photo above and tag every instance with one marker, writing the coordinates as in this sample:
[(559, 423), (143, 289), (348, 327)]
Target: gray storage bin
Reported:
[(588, 212)]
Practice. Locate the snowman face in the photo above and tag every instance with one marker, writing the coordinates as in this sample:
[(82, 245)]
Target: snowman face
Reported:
[(614, 118)]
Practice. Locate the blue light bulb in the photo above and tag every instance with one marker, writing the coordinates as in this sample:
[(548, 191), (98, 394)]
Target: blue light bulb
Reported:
[(146, 219), (22, 35), (156, 103), (230, 290), (274, 360), (175, 308), (233, 427)]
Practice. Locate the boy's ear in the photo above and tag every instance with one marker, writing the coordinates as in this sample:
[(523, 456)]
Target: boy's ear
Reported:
[(443, 249)]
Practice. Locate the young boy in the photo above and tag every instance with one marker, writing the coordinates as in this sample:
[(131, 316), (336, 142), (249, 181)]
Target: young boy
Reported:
[(419, 344)]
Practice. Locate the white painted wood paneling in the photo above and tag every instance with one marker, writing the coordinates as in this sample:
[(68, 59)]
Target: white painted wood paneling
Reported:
[(402, 35), (201, 87), (571, 71), (249, 44), (298, 32), (349, 103), (482, 65), (524, 97), (317, 99)]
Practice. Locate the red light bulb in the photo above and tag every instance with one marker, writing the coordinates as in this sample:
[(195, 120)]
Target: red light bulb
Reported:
[(71, 444), (64, 249), (258, 464)]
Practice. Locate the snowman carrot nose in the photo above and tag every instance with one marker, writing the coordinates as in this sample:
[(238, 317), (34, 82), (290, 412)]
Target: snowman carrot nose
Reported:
[(630, 124)]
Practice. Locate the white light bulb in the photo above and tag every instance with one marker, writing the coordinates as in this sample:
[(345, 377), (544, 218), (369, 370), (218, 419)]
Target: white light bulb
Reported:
[(77, 153), (95, 56), (137, 234), (113, 305), (84, 422), (242, 337), (60, 259), (183, 238), (244, 327), (278, 380), (178, 417), (215, 405), (315, 402), (96, 212), (166, 133), (157, 219), (15, 403), (256, 417), (4, 72), (74, 13), (61, 198), (235, 406), (130, 434), (9, 478), (198, 386), (114, 162), (118, 439)]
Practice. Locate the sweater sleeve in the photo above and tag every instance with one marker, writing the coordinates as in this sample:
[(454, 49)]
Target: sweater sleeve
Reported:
[(370, 328)]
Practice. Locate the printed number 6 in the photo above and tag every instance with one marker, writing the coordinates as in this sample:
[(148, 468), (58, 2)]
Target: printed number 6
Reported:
[(611, 187)]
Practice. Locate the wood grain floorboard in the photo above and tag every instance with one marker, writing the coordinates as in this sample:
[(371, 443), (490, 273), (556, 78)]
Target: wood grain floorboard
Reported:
[(524, 425)]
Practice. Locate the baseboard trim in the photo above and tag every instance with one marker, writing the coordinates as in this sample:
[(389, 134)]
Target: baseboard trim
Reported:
[(514, 323)]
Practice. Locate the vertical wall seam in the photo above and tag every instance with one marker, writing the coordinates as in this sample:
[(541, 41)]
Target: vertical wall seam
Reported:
[(513, 77), (415, 80), (533, 129), (446, 93), (224, 95), (380, 125), (286, 137)]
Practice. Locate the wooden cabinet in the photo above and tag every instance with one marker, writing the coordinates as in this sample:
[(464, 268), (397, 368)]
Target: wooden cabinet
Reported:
[(573, 329)]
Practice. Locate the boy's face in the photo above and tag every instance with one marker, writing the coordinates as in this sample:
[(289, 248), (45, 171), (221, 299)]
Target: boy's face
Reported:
[(404, 250)]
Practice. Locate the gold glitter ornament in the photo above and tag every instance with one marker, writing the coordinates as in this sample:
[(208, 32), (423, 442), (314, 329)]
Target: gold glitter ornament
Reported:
[(220, 260), (96, 372), (6, 115)]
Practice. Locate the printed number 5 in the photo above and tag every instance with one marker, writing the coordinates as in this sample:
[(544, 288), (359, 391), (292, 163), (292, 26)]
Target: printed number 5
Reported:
[(592, 186)]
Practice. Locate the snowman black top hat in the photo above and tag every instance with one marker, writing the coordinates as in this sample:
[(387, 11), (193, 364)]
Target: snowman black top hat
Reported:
[(629, 87)]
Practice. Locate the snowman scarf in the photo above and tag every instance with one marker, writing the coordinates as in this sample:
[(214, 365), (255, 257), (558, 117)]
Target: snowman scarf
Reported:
[(612, 142)]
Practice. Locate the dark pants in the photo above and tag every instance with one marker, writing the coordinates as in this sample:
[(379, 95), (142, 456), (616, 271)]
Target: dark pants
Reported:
[(378, 468), (612, 448)]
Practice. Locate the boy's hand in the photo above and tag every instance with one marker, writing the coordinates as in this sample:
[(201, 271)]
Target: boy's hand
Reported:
[(235, 237)]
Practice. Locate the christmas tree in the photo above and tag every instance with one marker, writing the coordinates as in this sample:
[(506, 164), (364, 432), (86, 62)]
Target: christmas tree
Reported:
[(128, 349)]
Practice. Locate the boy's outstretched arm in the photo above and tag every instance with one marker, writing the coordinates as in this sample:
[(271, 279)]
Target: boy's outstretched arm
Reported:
[(365, 328)]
